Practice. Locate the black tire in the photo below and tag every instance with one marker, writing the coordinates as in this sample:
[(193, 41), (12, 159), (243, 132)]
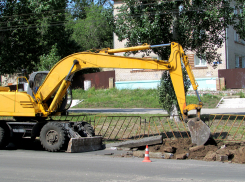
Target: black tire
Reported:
[(53, 137), (87, 130), (4, 136)]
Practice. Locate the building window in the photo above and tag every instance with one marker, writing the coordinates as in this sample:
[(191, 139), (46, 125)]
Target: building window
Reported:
[(237, 61), (236, 37), (199, 62), (243, 62)]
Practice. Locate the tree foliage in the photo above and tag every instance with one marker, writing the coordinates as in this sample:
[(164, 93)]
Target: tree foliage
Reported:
[(49, 60), (91, 25), (29, 29), (197, 25), (18, 45), (78, 7), (95, 30), (239, 17)]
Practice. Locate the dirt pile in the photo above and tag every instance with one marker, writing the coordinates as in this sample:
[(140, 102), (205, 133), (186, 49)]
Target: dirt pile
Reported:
[(211, 151)]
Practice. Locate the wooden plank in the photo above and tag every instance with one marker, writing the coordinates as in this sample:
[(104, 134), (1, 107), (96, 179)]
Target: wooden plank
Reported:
[(138, 143)]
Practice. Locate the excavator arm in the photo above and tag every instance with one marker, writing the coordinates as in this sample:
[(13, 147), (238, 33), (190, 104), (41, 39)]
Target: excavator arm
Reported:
[(59, 77), (176, 75), (47, 98)]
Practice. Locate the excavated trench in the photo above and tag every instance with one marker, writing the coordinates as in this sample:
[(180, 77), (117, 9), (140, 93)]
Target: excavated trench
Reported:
[(183, 149)]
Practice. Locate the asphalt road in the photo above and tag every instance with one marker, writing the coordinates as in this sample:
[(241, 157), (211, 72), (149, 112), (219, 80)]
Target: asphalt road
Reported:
[(29, 165)]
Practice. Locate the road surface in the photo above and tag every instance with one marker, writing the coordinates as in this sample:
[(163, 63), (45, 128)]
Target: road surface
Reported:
[(29, 165)]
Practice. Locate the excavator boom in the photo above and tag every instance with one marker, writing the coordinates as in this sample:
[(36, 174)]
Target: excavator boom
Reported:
[(47, 97), (55, 80)]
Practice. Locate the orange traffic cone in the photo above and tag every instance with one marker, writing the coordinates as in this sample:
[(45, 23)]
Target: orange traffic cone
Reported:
[(147, 158)]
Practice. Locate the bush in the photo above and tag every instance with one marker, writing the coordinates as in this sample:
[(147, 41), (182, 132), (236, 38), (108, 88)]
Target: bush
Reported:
[(241, 94)]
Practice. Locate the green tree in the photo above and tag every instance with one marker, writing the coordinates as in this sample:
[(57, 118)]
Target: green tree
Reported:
[(18, 38), (78, 7), (52, 17), (239, 17), (49, 60), (95, 31), (29, 29), (197, 25), (91, 26)]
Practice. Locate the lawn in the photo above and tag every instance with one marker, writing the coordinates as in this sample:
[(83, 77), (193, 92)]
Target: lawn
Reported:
[(126, 98)]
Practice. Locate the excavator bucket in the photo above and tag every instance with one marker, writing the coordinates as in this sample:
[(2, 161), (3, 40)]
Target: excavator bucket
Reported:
[(84, 144), (199, 131)]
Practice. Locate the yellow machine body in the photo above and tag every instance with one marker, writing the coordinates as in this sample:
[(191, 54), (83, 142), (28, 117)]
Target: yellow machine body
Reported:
[(55, 85), (17, 104)]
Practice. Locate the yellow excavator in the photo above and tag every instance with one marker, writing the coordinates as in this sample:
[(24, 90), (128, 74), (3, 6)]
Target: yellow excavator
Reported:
[(48, 95)]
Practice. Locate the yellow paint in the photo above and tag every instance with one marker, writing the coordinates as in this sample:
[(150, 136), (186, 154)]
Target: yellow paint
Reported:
[(21, 104), (4, 89), (17, 104)]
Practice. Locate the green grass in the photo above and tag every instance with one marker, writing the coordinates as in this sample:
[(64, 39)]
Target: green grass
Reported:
[(241, 94), (138, 98), (208, 100)]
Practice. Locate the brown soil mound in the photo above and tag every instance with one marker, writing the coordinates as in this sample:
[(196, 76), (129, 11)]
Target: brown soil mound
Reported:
[(211, 151)]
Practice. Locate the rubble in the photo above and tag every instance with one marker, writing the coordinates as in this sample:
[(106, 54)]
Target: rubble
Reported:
[(183, 149)]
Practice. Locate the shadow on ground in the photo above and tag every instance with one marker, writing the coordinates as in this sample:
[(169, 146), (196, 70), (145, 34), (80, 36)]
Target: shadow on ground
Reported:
[(26, 144)]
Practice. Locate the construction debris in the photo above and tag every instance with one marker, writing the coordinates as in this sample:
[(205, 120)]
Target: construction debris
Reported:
[(182, 156), (196, 148), (138, 143), (210, 156), (184, 149)]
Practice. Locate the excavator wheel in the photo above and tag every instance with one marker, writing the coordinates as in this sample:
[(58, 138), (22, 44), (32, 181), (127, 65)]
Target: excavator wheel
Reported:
[(87, 140), (86, 130), (54, 137), (4, 136)]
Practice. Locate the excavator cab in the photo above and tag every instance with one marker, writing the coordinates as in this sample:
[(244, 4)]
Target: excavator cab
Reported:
[(36, 80)]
